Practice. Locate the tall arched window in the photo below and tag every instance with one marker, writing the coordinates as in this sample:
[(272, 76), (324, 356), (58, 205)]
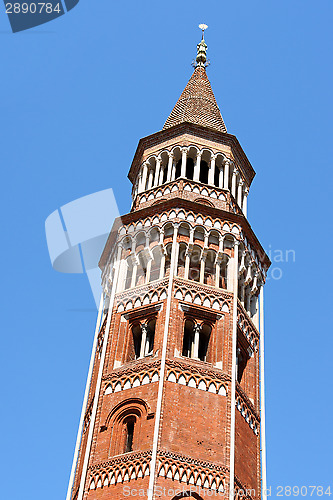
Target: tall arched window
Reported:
[(129, 424), (178, 168), (143, 334), (167, 262), (195, 260), (204, 172), (209, 274), (141, 271), (155, 268), (189, 168), (129, 273), (224, 271), (196, 340), (181, 260), (188, 338), (124, 425)]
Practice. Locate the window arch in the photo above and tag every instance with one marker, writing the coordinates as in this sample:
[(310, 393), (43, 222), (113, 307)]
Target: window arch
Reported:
[(142, 339), (155, 268), (124, 424), (210, 267), (196, 339), (195, 260)]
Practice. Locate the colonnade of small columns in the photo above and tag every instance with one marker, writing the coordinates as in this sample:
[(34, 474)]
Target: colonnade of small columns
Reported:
[(208, 168), (200, 255)]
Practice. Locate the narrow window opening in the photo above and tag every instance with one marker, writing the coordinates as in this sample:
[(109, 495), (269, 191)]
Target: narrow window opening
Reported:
[(189, 168), (216, 176), (165, 174), (178, 168), (203, 172), (188, 338), (204, 342), (129, 430)]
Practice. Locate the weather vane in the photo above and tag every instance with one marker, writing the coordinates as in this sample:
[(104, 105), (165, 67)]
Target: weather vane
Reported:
[(203, 27), (201, 59)]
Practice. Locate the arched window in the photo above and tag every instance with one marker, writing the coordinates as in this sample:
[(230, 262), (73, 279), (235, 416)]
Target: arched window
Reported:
[(188, 338), (129, 273), (156, 264), (141, 271), (204, 336), (167, 262), (143, 335), (181, 260), (209, 274), (189, 168), (129, 424), (241, 361), (178, 168), (196, 340), (204, 172), (125, 424), (195, 260), (224, 271)]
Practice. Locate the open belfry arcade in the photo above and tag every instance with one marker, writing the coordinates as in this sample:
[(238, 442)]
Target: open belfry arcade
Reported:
[(174, 403)]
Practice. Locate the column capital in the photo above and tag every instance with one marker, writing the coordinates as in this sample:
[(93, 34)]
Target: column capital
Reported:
[(184, 149), (241, 182), (235, 172), (227, 161)]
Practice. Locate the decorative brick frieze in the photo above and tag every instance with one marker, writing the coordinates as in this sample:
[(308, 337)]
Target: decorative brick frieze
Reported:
[(191, 471), (143, 374), (202, 295), (247, 327), (120, 469), (186, 373), (247, 410)]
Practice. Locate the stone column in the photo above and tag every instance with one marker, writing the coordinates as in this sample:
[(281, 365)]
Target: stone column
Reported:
[(173, 170), (157, 171), (217, 274), (184, 158), (211, 172), (144, 333), (195, 347), (150, 179), (202, 267), (240, 193), (161, 174), (196, 174), (221, 178), (226, 174), (170, 167), (176, 258), (233, 183), (187, 264), (144, 177), (246, 192)]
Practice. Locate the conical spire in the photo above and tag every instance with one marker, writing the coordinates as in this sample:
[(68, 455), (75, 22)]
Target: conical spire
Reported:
[(197, 103)]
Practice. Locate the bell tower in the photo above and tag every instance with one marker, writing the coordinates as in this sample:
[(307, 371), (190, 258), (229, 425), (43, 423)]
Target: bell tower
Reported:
[(172, 404)]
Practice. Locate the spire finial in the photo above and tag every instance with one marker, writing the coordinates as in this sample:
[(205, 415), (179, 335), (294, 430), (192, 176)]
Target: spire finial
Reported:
[(201, 59)]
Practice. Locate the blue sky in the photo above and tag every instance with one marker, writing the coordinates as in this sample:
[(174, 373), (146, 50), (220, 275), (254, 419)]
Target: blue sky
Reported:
[(77, 94)]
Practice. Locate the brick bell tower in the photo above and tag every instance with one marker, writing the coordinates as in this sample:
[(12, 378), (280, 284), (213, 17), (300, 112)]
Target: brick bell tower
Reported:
[(172, 404)]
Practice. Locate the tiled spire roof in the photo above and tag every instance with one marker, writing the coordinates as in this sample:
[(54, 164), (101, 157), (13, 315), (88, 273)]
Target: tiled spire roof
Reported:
[(197, 104)]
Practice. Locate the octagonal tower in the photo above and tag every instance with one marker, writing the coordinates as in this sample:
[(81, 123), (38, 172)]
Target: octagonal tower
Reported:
[(172, 405)]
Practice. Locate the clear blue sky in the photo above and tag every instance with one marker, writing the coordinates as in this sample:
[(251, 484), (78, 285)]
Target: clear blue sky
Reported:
[(77, 94)]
